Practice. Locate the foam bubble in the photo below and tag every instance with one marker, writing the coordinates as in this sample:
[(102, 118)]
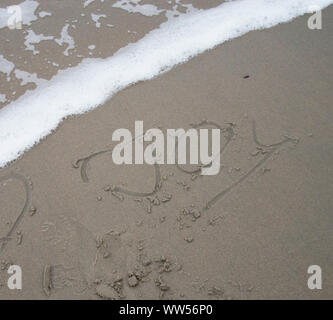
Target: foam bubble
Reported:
[(6, 66), (96, 18), (34, 115), (66, 38), (2, 98), (134, 6), (32, 38)]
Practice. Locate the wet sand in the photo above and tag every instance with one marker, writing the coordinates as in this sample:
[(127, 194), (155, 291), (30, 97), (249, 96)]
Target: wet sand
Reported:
[(250, 232)]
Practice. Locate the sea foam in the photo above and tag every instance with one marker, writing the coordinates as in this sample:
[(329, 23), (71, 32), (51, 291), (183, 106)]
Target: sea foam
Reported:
[(33, 116)]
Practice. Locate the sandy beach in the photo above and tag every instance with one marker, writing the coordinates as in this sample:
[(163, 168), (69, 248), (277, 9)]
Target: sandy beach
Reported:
[(250, 232)]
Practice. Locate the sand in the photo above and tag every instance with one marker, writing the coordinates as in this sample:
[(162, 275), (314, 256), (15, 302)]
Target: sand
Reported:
[(250, 232)]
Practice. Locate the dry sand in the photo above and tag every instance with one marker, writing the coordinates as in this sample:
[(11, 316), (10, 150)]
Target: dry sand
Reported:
[(272, 217)]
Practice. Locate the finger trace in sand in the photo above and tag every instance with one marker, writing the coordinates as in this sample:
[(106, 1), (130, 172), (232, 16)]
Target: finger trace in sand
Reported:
[(268, 151), (83, 171), (272, 149), (46, 281), (116, 190), (230, 133), (25, 208), (84, 162), (143, 194)]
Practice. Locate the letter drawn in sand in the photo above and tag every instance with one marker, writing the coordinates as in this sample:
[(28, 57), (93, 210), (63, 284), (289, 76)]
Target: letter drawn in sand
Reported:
[(210, 166), (46, 281), (25, 208)]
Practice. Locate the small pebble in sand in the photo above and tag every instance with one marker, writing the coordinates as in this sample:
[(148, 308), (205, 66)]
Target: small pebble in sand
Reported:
[(106, 292), (250, 288), (99, 198), (19, 238), (107, 188), (264, 170), (132, 281), (161, 284), (32, 211), (146, 261), (189, 239), (75, 165)]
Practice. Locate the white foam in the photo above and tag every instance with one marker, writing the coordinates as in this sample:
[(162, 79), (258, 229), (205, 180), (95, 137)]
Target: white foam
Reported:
[(175, 13), (134, 6), (33, 116), (3, 98), (27, 77), (28, 8), (91, 48), (96, 18), (149, 10), (66, 38), (32, 38), (43, 14), (87, 3), (6, 66)]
